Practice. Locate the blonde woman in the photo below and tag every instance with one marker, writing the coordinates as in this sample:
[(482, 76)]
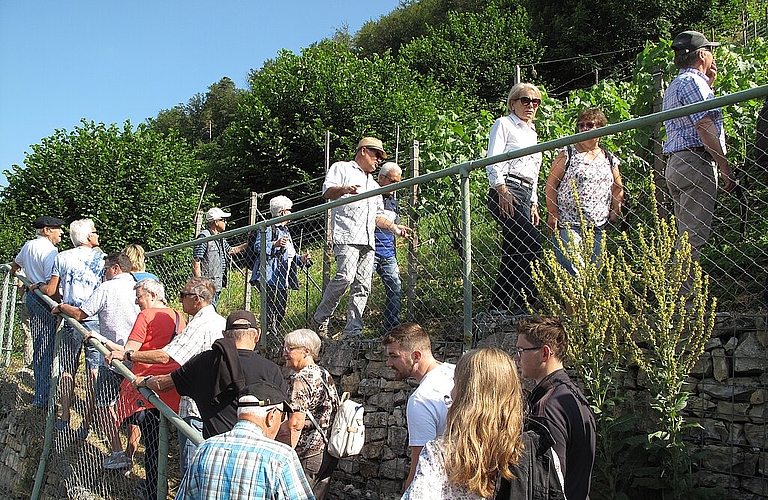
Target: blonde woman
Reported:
[(484, 451)]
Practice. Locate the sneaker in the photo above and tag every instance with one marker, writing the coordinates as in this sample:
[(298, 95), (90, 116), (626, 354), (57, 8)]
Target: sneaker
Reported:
[(61, 425), (320, 328), (82, 433), (497, 311), (117, 460)]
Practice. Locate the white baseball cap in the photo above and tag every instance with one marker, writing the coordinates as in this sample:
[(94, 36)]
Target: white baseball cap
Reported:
[(216, 214)]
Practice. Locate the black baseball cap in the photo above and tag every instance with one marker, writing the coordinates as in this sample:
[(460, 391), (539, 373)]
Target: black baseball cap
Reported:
[(46, 221), (265, 394), (689, 41), (248, 316)]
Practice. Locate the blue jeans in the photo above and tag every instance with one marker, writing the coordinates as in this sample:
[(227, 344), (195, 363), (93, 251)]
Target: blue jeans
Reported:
[(187, 447), (572, 237), (388, 269), (42, 325)]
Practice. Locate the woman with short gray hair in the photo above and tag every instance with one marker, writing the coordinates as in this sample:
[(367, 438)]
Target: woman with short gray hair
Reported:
[(313, 397)]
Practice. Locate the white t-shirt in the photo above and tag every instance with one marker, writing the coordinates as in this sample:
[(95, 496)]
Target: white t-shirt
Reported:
[(36, 258), (428, 405)]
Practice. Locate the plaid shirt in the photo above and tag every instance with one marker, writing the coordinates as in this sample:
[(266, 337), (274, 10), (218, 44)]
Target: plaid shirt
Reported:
[(203, 329), (243, 464), (690, 86)]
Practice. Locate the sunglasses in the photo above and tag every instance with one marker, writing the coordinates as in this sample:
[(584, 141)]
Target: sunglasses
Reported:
[(525, 101), (379, 156), (187, 294), (586, 125)]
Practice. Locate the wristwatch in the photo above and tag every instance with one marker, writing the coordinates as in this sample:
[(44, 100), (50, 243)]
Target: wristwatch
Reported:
[(128, 354)]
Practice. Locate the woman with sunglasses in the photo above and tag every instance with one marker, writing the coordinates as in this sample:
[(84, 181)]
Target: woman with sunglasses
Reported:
[(513, 199), (314, 400), (587, 173)]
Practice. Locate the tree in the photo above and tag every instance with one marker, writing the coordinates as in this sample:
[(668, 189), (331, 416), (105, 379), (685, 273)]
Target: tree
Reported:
[(279, 136), (476, 52), (137, 186), (204, 117)]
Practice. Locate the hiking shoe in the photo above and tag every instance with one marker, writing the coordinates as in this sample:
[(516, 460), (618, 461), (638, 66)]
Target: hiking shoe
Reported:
[(320, 328), (117, 460)]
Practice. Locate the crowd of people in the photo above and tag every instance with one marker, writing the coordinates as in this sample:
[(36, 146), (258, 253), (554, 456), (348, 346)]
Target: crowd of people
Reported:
[(472, 432)]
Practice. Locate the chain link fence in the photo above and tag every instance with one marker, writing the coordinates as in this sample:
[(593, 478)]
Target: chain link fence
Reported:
[(447, 273)]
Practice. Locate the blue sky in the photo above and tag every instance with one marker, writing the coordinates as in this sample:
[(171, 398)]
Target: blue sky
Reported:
[(105, 61)]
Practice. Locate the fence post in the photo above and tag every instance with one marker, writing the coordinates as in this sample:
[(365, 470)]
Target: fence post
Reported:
[(328, 248), (413, 245), (249, 272), (13, 291), (162, 459), (466, 228)]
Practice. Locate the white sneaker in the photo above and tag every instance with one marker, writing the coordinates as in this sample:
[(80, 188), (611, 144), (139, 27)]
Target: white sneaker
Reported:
[(321, 328), (117, 460)]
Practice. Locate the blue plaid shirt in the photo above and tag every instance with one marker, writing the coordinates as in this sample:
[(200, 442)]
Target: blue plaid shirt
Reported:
[(690, 86), (243, 464)]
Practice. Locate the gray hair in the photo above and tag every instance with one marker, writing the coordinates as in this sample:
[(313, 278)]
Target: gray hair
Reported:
[(151, 286), (390, 167), (256, 411), (40, 231), (305, 337), (687, 59), (203, 288), (278, 204), (517, 90), (79, 231)]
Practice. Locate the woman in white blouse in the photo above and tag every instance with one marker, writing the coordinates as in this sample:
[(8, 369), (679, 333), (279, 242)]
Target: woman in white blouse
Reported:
[(513, 199)]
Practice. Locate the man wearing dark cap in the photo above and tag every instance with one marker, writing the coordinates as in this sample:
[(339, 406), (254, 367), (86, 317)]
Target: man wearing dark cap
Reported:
[(215, 377), (247, 462), (353, 235), (695, 144), (36, 258)]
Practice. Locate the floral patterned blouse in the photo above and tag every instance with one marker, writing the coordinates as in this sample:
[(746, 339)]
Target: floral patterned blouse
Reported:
[(430, 481), (594, 180), (308, 394)]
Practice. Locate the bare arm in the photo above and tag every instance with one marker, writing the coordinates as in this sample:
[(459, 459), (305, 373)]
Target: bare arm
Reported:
[(553, 183), (291, 430), (51, 288), (617, 195), (709, 136), (158, 383), (196, 269), (238, 248), (336, 192), (69, 310), (14, 268), (415, 451)]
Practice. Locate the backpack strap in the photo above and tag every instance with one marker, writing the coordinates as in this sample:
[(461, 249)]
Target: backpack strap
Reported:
[(337, 402)]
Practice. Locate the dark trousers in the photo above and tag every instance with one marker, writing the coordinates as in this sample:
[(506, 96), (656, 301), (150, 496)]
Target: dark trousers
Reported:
[(318, 469), (520, 246), (149, 423), (277, 304)]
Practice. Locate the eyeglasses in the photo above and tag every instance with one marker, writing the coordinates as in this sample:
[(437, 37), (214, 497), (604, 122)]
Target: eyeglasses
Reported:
[(525, 101), (188, 294), (379, 156), (94, 232), (518, 351), (586, 125), (289, 348)]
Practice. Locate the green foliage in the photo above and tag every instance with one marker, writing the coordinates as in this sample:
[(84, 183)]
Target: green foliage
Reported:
[(294, 100), (476, 52), (646, 304), (137, 186)]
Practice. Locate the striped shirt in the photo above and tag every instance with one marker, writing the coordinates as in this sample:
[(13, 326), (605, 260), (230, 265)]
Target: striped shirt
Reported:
[(243, 464), (690, 86)]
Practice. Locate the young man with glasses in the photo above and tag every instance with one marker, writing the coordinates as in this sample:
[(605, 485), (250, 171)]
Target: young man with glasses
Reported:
[(247, 462), (556, 401), (695, 143), (353, 235)]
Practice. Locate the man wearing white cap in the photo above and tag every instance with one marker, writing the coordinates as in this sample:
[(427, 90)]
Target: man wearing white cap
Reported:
[(695, 144), (353, 235), (210, 259)]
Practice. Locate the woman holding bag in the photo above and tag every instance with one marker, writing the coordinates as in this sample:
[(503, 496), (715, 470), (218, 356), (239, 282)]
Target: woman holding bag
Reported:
[(313, 397)]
